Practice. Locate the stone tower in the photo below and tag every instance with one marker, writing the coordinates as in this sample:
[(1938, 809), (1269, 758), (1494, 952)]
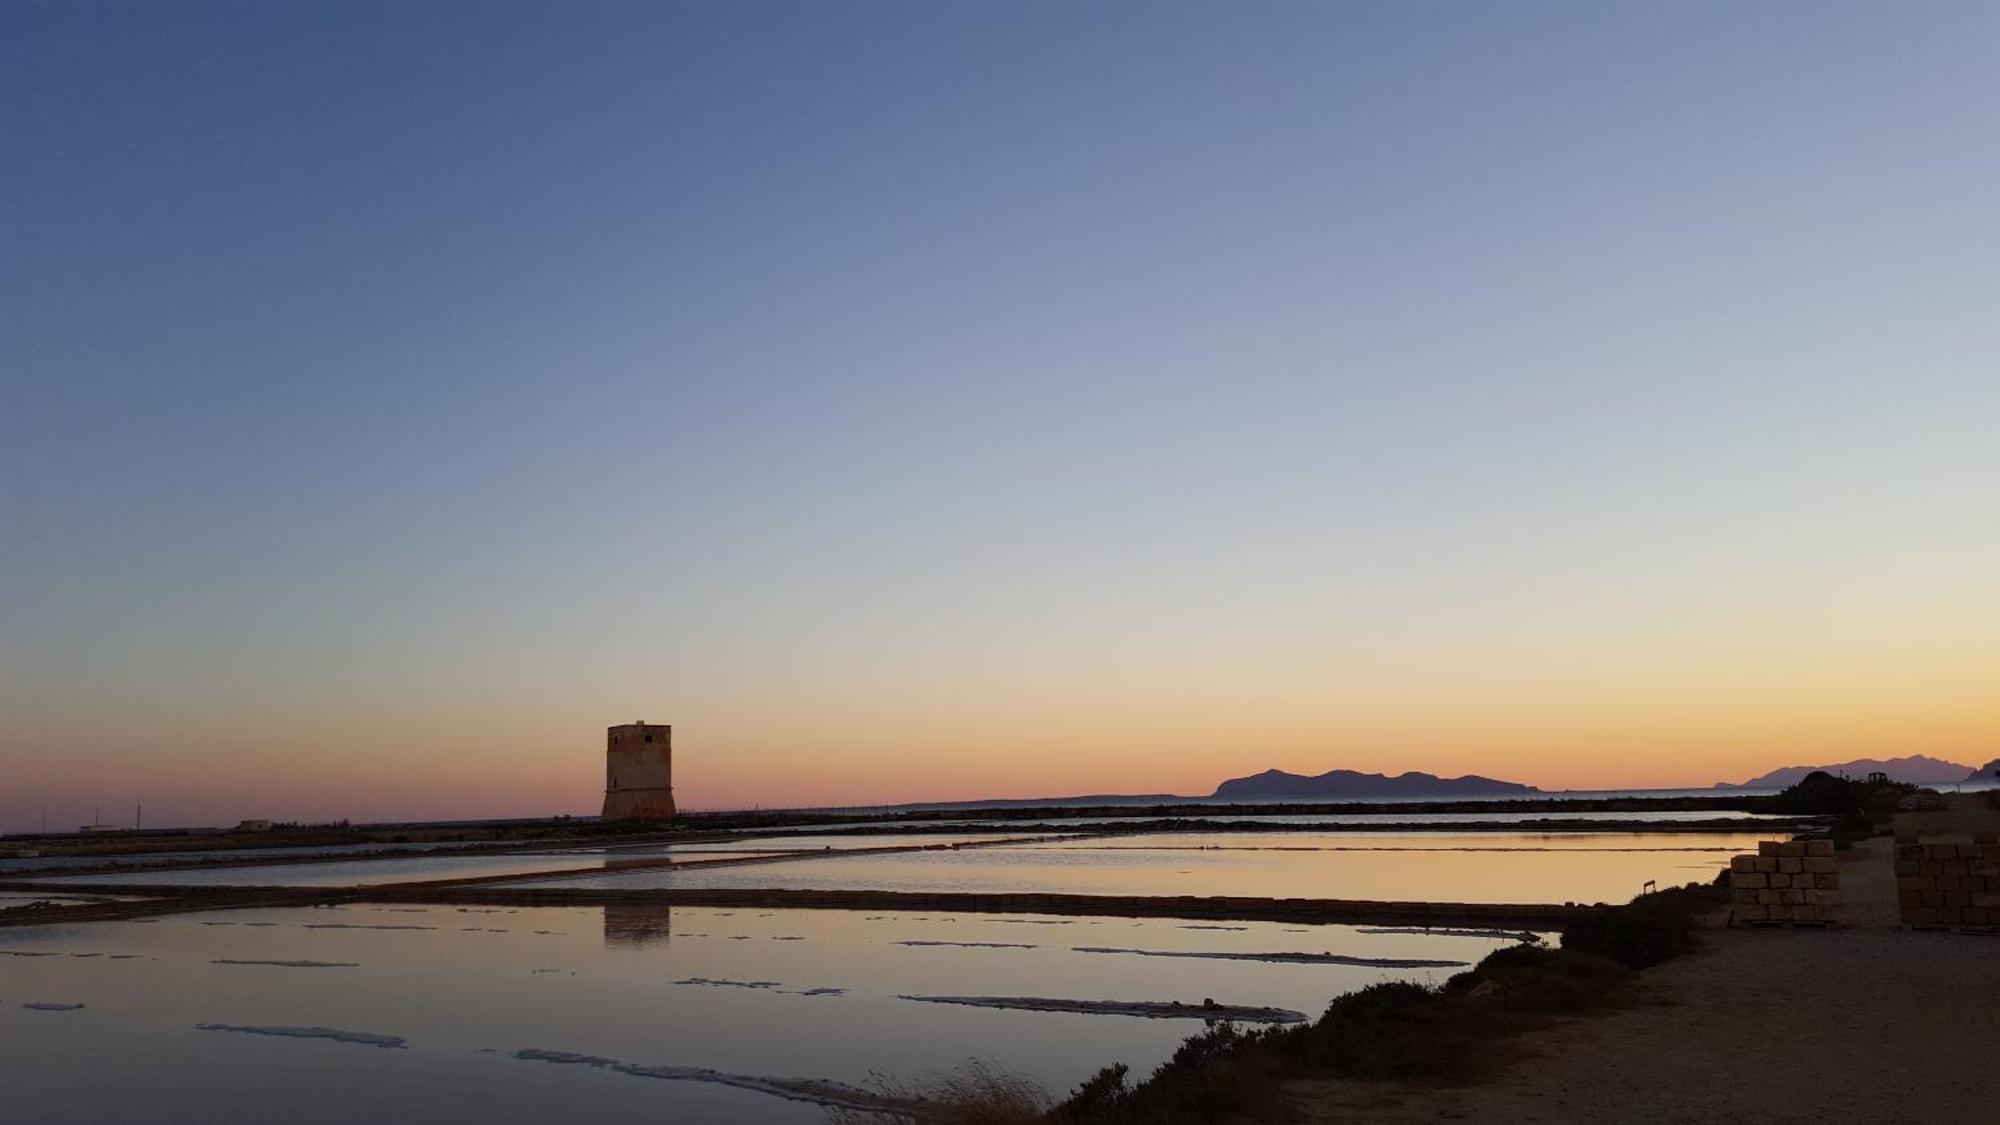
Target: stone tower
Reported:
[(639, 772)]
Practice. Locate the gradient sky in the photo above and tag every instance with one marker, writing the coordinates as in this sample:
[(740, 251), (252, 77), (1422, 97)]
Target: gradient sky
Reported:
[(927, 401)]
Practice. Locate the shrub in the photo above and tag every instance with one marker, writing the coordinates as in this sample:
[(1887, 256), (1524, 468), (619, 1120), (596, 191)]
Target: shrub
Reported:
[(1520, 984), (1220, 1072), (1646, 931), (1097, 1095), (1390, 1030), (1400, 1030)]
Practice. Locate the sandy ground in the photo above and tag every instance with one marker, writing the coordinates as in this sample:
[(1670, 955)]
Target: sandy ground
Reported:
[(1868, 1022)]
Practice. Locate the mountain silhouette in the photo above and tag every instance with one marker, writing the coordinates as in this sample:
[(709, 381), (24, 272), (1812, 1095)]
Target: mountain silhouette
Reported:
[(1916, 769), (1349, 783)]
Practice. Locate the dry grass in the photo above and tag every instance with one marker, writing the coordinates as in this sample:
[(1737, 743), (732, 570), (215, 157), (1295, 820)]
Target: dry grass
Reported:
[(975, 1092)]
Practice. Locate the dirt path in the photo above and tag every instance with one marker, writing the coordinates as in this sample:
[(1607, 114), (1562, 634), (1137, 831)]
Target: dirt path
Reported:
[(1869, 1022)]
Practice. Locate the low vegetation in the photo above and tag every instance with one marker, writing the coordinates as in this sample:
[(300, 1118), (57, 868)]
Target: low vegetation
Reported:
[(1396, 1030), (1648, 930), (974, 1093)]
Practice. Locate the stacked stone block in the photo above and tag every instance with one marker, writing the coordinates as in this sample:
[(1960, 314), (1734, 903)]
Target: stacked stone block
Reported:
[(1949, 885), (1793, 883)]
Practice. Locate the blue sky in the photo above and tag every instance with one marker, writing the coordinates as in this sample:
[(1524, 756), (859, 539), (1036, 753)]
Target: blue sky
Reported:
[(914, 400)]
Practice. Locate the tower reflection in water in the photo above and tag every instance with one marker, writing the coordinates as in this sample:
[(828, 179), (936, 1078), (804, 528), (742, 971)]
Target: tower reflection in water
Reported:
[(633, 925)]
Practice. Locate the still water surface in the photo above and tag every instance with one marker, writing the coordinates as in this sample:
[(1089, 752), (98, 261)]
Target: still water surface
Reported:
[(368, 873), (374, 872), (1486, 867), (811, 994)]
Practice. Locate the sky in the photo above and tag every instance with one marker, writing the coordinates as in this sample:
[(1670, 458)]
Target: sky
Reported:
[(935, 401)]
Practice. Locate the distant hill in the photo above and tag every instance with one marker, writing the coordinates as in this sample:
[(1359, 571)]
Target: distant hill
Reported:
[(1082, 801), (1986, 772), (1916, 769), (1349, 784)]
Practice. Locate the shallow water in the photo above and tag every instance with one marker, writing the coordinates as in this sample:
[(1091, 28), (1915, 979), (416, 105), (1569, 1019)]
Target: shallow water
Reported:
[(366, 873), (1388, 814), (1391, 816), (791, 843), (1486, 867), (377, 1012), (22, 898), (39, 865), (304, 1005)]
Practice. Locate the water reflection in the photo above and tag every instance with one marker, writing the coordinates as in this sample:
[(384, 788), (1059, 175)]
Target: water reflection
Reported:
[(1393, 867), (633, 925), (797, 993)]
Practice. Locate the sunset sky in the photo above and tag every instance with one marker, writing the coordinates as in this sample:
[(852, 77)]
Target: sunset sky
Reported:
[(934, 401)]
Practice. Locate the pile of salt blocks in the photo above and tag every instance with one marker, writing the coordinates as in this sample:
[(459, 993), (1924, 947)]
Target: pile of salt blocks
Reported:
[(1949, 885), (1797, 881)]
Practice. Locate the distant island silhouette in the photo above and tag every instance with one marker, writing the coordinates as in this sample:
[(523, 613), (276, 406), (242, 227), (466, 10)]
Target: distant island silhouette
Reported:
[(1353, 784), (1917, 769)]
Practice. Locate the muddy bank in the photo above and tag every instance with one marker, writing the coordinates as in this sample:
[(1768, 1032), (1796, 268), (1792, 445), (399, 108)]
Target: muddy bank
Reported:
[(1281, 958), (1233, 908), (1145, 1009), (815, 1091), (360, 1038)]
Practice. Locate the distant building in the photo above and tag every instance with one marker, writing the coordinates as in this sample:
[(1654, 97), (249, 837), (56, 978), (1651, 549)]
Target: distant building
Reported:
[(253, 826), (639, 772)]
